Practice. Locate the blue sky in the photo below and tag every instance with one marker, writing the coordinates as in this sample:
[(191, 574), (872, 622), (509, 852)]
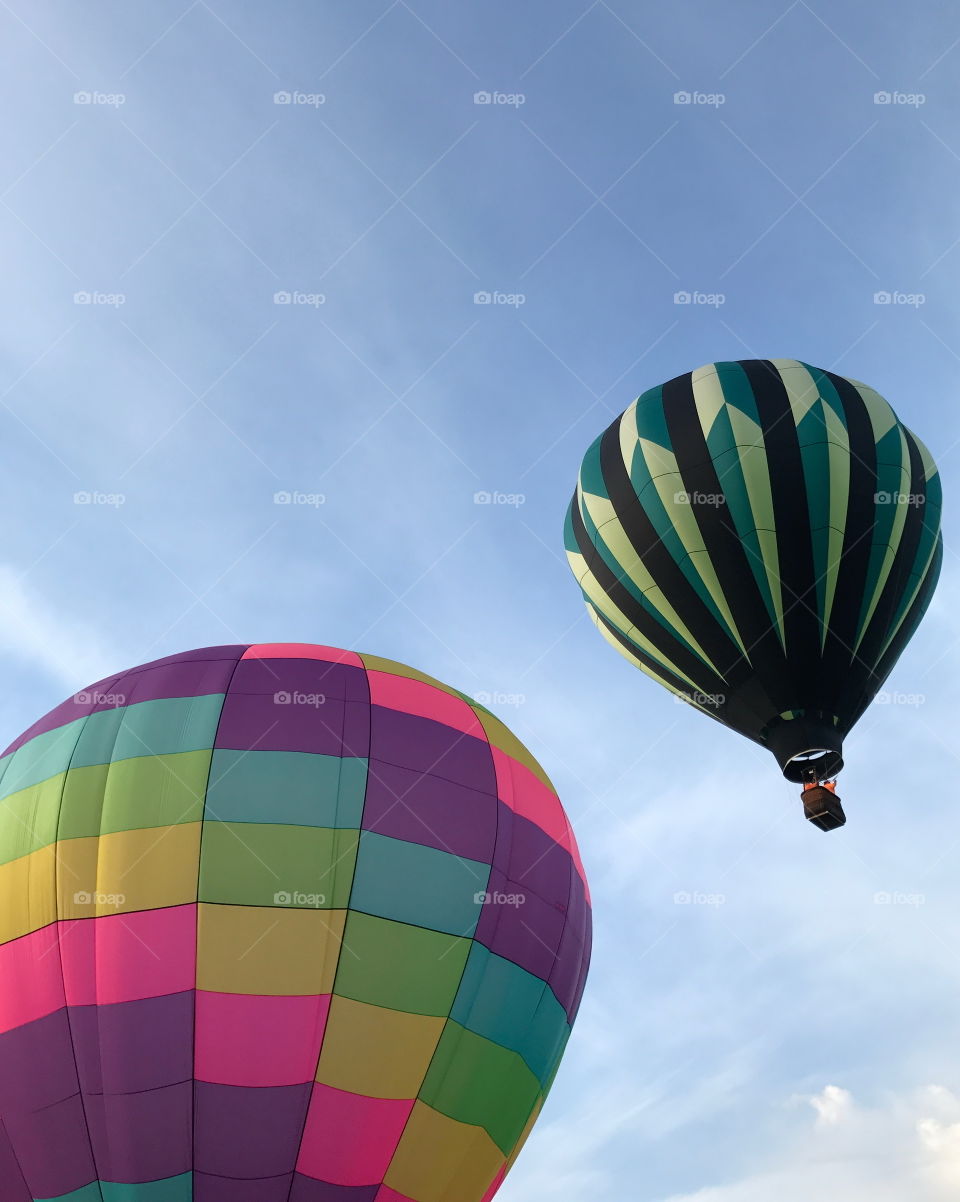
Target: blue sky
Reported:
[(797, 1038)]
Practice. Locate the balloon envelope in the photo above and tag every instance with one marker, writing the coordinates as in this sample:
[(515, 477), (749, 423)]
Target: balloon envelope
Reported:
[(278, 923), (761, 537)]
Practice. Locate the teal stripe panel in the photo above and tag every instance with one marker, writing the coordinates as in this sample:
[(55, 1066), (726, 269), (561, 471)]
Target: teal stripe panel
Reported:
[(509, 1006), (407, 882), (289, 788)]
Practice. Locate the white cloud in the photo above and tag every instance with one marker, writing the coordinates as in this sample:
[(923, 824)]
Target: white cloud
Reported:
[(45, 637)]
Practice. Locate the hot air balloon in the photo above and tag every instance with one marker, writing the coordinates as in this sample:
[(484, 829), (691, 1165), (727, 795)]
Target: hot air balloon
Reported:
[(278, 923), (762, 538)]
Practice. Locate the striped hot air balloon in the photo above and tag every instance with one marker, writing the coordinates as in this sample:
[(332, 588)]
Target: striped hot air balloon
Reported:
[(762, 538), (278, 923)]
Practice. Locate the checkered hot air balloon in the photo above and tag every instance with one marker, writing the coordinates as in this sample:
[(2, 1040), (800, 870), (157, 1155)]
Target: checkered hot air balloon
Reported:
[(762, 538), (278, 923)]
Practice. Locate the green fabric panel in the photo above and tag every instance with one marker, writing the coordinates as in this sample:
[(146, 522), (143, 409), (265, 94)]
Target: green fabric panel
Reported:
[(728, 462), (828, 394), (508, 1005), (163, 727), (81, 810), (410, 883), (44, 756), (630, 584), (569, 542), (889, 480), (663, 525), (289, 788), (737, 390), (401, 967), (171, 1189), (255, 864), (161, 790), (89, 1193), (650, 418), (910, 627), (167, 725), (85, 802), (591, 475), (28, 819), (815, 456), (929, 534), (475, 1081)]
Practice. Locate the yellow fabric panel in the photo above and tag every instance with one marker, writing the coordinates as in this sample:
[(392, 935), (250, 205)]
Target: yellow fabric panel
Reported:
[(803, 391), (524, 1135), (374, 663), (625, 652), (505, 740), (441, 1160), (277, 952), (839, 456), (146, 869), (755, 469), (375, 1051), (882, 417), (896, 533), (28, 817), (708, 396), (29, 898)]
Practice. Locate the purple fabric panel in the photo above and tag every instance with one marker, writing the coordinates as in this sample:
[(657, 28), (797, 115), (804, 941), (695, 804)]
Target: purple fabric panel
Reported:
[(142, 1136), (297, 705), (12, 1184), (191, 674), (36, 1064), (586, 953), (528, 934), (249, 1132), (207, 1187), (67, 711), (62, 1127), (422, 745), (343, 682), (253, 721), (405, 804), (527, 854), (308, 1189), (566, 975), (129, 1047)]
